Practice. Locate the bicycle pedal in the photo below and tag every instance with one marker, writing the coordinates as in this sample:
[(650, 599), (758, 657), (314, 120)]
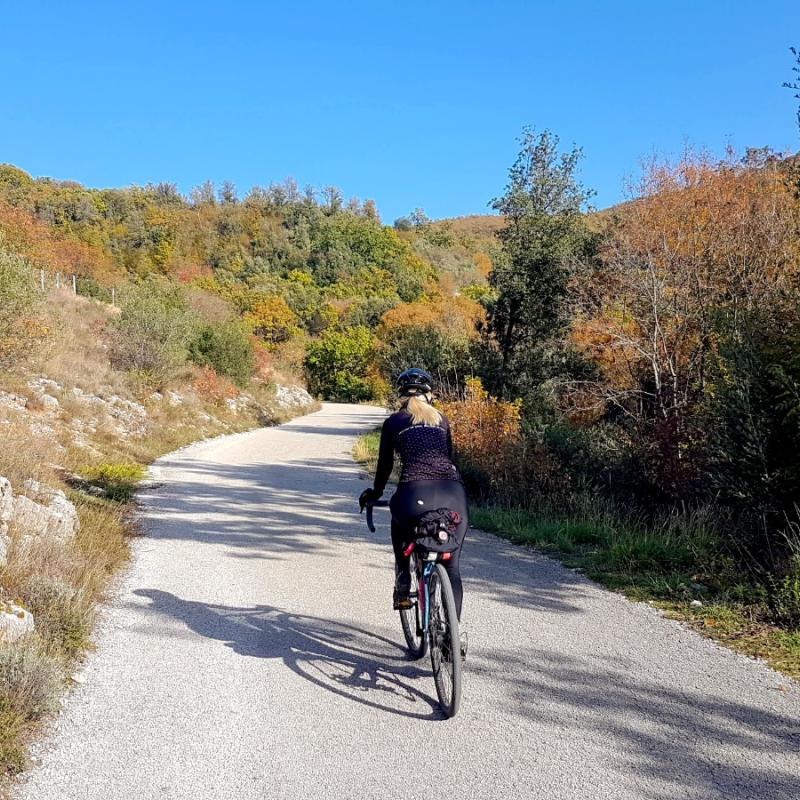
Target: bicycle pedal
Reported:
[(402, 603)]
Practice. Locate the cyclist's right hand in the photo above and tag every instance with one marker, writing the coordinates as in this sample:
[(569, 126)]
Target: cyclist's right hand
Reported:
[(368, 497)]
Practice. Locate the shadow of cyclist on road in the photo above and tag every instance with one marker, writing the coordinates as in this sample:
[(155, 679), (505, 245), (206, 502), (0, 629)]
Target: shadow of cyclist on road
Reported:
[(341, 658)]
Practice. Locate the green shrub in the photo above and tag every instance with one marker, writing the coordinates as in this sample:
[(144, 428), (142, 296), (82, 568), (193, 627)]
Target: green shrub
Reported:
[(755, 436), (152, 333), (62, 612), (227, 349), (89, 287), (117, 480), (337, 364), (785, 601), (30, 683), (20, 305)]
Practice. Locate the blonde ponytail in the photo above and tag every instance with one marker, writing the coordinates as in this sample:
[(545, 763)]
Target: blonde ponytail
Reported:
[(421, 410)]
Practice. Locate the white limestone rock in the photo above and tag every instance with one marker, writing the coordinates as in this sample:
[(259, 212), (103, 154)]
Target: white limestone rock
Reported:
[(292, 397), (14, 401), (6, 513), (15, 622), (43, 384), (52, 516), (49, 403), (6, 501)]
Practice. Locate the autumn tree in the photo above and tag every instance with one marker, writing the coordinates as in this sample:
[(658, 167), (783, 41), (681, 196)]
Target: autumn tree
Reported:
[(437, 336), (683, 268), (272, 320)]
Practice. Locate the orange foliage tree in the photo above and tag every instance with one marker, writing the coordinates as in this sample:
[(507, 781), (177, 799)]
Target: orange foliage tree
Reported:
[(498, 462), (682, 265), (436, 336), (49, 250)]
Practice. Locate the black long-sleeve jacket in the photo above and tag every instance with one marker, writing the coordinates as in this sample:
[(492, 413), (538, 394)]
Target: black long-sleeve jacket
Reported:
[(426, 451)]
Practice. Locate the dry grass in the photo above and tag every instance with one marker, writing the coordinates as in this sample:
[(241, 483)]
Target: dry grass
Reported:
[(31, 679), (77, 353), (24, 455)]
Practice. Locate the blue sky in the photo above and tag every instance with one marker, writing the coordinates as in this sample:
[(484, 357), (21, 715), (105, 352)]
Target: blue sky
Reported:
[(412, 104)]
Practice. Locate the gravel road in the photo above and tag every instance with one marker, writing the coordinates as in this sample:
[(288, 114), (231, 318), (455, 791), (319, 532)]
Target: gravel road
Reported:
[(252, 652)]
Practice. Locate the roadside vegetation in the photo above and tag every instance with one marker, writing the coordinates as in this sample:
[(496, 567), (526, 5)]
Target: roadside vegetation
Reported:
[(628, 399)]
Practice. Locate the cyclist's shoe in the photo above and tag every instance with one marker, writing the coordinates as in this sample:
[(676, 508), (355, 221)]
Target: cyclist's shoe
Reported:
[(464, 645), (402, 592)]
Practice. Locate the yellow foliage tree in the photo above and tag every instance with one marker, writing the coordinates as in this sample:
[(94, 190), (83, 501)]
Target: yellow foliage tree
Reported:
[(272, 320)]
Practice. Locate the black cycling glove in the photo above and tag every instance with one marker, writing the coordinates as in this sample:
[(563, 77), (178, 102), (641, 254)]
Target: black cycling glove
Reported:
[(368, 496)]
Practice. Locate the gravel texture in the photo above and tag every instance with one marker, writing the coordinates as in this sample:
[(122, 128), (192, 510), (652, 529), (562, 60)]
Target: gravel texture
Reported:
[(252, 653)]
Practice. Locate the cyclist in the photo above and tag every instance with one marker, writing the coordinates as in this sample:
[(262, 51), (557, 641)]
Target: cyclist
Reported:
[(429, 480)]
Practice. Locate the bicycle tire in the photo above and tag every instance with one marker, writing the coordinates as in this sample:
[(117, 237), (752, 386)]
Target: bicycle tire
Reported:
[(445, 642), (416, 640)]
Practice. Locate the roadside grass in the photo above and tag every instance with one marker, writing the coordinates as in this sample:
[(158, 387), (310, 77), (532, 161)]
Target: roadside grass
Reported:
[(669, 565), (61, 585), (365, 450), (31, 680)]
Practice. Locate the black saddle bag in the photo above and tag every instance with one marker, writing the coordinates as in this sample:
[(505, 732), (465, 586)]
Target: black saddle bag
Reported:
[(435, 530)]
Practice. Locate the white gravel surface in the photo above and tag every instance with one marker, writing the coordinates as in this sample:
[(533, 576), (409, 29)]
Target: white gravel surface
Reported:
[(252, 652)]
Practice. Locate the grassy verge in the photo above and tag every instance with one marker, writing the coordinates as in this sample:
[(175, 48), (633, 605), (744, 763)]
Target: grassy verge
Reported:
[(365, 450), (677, 566)]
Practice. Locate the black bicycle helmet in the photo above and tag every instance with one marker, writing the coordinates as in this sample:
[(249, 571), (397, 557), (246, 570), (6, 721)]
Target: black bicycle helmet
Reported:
[(414, 381)]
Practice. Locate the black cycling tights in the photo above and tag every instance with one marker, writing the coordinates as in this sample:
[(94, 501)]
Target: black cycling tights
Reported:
[(414, 498)]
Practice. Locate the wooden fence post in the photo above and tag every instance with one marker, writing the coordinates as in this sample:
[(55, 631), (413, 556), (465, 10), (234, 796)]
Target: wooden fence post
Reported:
[(74, 284)]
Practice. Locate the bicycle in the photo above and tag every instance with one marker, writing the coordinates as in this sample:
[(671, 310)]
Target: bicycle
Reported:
[(431, 622)]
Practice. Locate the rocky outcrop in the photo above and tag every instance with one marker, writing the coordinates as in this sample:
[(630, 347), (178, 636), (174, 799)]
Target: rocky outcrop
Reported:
[(292, 397), (15, 622), (16, 402), (115, 414), (6, 514), (50, 514), (41, 512)]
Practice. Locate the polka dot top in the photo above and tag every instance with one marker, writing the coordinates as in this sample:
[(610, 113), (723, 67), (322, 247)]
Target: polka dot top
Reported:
[(426, 451)]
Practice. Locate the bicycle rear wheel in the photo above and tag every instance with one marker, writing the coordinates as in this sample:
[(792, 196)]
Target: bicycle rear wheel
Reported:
[(411, 618), (444, 641)]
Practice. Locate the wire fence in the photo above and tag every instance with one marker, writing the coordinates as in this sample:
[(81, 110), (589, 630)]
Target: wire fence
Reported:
[(77, 285)]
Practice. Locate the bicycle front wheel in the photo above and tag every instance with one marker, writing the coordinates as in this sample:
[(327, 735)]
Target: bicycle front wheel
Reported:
[(445, 641), (411, 619)]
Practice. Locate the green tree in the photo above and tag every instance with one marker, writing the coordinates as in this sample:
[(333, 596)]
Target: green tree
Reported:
[(225, 347), (544, 232), (337, 364), (151, 334), (20, 305)]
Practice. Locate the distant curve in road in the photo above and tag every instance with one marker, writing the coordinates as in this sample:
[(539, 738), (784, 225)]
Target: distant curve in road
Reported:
[(251, 652)]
